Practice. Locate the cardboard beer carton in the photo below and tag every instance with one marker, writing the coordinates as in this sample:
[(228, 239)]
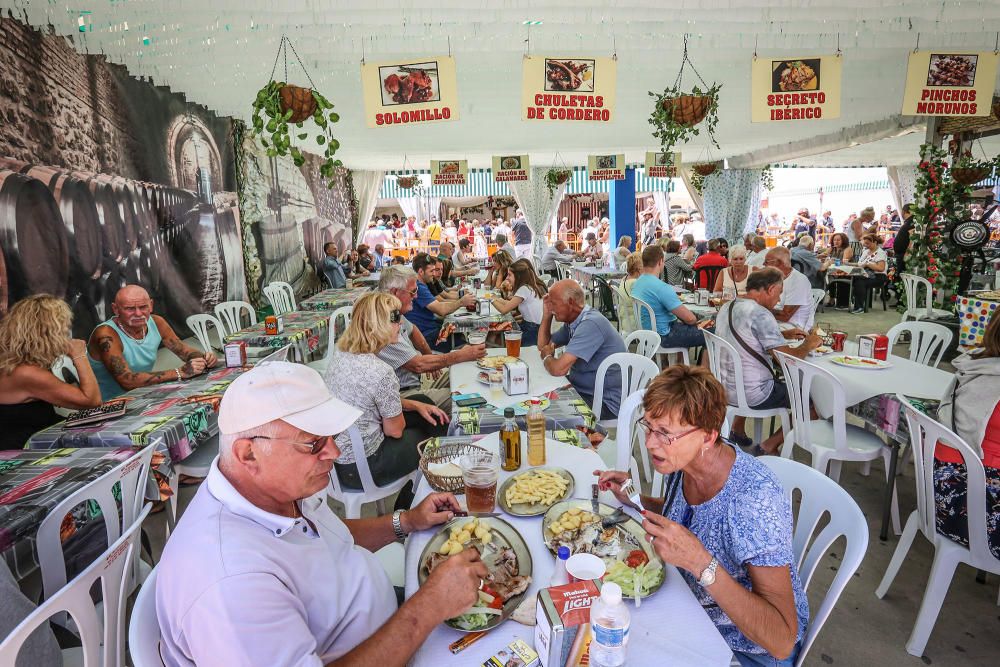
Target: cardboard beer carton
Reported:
[(515, 653), (562, 630), (515, 378)]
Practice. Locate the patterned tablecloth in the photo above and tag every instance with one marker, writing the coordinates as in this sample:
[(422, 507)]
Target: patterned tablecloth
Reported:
[(884, 415), (304, 330), (974, 314), (331, 299), (583, 274), (32, 483)]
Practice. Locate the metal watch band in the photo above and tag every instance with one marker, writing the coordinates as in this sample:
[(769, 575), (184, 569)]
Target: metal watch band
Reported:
[(397, 525), (707, 577)]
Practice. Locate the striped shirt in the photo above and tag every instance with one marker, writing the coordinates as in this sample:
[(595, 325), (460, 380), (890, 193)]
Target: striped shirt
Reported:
[(399, 353)]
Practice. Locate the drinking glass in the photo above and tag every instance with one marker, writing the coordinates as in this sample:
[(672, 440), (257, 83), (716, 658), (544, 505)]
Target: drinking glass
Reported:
[(513, 341), (480, 470), (476, 337)]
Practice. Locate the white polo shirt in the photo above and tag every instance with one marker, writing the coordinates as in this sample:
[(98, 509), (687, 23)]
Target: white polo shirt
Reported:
[(796, 291), (240, 586)]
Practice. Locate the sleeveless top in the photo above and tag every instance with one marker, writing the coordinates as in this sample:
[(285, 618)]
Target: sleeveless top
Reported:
[(22, 420), (729, 281), (140, 355)]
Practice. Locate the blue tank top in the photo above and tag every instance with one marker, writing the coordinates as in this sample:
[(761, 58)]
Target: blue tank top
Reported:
[(140, 355)]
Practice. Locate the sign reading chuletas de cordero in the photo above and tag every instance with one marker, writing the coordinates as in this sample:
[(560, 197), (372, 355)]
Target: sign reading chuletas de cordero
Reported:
[(410, 92), (949, 83), (577, 90), (799, 88)]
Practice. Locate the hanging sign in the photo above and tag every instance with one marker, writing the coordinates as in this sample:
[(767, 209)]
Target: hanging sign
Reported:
[(449, 172), (510, 168), (568, 89), (949, 84), (410, 92), (806, 88), (606, 167), (663, 165)]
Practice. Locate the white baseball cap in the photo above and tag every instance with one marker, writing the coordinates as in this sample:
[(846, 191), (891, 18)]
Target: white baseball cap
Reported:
[(283, 390)]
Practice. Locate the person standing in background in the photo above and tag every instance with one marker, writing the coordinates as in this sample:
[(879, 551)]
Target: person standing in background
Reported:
[(522, 235), (901, 243)]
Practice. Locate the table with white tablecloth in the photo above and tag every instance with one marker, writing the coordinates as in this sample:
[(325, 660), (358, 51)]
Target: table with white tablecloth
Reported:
[(669, 627)]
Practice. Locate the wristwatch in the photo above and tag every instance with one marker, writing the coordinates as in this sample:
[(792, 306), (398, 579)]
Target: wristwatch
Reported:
[(397, 526), (707, 577)]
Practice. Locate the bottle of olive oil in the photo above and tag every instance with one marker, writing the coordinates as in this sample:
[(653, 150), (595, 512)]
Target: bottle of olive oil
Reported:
[(510, 441)]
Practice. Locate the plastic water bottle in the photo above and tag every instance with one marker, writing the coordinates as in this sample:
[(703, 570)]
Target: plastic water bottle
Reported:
[(559, 575), (609, 623), (611, 261)]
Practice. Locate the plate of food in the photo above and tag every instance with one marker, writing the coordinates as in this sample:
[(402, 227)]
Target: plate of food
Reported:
[(506, 556), (488, 376), (631, 561), (500, 326), (821, 350), (534, 491), (866, 363), (496, 362)]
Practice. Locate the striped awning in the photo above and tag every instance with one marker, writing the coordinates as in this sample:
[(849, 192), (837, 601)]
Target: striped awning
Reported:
[(480, 183)]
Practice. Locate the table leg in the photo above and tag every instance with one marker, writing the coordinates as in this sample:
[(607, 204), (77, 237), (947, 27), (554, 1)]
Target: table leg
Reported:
[(889, 488)]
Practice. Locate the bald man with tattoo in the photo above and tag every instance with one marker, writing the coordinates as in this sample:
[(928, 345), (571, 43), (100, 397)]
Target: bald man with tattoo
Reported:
[(122, 350)]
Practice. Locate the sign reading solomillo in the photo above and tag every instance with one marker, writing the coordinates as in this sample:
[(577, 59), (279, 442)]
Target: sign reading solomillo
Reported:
[(663, 165), (568, 89), (943, 83), (510, 168), (449, 172), (410, 92), (606, 167), (800, 88)]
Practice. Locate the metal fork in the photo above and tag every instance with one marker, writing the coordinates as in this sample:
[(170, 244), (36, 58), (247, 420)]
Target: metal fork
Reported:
[(634, 499)]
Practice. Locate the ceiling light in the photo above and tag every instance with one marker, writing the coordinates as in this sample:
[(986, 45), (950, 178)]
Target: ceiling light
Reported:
[(531, 23)]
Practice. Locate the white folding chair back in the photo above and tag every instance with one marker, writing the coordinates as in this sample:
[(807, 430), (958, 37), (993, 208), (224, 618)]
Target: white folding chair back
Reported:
[(924, 436), (344, 313), (617, 453), (562, 270), (144, 627), (647, 343), (928, 341), (200, 324), (370, 492), (641, 307), (818, 295), (636, 372), (101, 632), (281, 296), (916, 307), (821, 496), (230, 313), (622, 303)]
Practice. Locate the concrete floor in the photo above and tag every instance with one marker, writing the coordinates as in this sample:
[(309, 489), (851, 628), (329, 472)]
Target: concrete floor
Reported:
[(863, 630)]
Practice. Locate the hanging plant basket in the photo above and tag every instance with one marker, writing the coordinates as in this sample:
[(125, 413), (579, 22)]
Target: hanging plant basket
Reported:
[(555, 177), (687, 110), (680, 113), (299, 100), (969, 175), (705, 168), (406, 182)]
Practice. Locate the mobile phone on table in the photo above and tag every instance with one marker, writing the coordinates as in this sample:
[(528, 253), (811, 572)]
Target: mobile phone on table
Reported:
[(471, 402)]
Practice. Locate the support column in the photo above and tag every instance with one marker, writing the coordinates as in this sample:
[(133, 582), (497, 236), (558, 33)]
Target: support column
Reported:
[(621, 209)]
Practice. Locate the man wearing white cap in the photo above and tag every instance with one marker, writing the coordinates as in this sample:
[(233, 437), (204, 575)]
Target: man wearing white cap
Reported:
[(261, 572)]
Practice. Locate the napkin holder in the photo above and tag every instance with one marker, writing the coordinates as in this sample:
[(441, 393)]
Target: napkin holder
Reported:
[(515, 378)]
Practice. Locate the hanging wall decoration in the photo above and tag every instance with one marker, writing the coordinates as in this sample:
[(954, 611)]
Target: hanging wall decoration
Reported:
[(568, 89), (679, 111), (507, 168), (800, 88), (943, 83), (410, 92), (663, 165)]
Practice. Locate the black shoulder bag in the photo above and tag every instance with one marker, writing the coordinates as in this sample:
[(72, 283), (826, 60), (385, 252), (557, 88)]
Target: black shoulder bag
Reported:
[(772, 368)]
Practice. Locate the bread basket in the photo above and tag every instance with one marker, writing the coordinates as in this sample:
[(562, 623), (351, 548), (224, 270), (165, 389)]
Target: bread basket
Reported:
[(434, 451)]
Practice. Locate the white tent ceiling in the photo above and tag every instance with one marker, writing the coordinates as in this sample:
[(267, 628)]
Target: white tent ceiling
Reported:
[(220, 53)]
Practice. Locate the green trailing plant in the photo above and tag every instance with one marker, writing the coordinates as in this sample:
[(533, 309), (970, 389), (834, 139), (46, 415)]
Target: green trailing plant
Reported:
[(767, 178), (967, 170), (555, 177), (675, 109)]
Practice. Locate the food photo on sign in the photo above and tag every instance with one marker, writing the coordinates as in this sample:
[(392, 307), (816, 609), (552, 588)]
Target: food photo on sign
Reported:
[(449, 172), (949, 84), (417, 90), (799, 88), (568, 89), (409, 84), (606, 167), (662, 165)]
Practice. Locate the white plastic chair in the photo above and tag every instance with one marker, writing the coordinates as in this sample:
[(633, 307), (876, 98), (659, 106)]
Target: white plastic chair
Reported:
[(617, 452), (622, 301), (723, 360), (200, 324), (912, 285), (818, 295), (641, 306), (828, 442), (928, 341), (370, 492), (344, 312), (197, 464), (924, 435), (144, 627), (281, 296), (562, 270), (647, 342), (100, 631), (230, 313), (636, 372), (821, 496)]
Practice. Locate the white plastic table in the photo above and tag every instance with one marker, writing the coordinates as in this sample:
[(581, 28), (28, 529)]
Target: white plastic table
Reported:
[(669, 627), (464, 378)]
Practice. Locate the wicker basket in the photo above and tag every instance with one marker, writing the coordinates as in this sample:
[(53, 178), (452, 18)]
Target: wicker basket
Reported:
[(563, 176), (705, 168), (299, 100), (441, 454), (969, 175), (688, 110), (406, 182)]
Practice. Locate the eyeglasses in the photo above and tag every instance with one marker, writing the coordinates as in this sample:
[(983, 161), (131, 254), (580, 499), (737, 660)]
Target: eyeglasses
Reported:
[(411, 292), (663, 436), (315, 446), (395, 316)]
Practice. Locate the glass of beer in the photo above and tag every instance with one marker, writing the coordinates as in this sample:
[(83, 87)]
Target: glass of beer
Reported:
[(479, 472), (477, 337), (513, 341)]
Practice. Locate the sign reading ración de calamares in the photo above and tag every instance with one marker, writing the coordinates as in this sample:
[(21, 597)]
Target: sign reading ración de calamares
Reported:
[(510, 168), (943, 83), (663, 165), (449, 172), (800, 88), (410, 92), (568, 89), (606, 167)]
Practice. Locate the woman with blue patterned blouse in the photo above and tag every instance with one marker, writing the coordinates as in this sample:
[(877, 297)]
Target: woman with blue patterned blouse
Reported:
[(725, 521)]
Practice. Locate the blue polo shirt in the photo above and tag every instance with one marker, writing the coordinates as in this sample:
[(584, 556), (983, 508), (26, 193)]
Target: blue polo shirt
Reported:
[(591, 338), (661, 297), (421, 317)]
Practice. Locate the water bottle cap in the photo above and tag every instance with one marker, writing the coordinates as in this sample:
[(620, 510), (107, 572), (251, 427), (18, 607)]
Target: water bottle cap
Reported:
[(508, 413), (563, 553), (611, 593)]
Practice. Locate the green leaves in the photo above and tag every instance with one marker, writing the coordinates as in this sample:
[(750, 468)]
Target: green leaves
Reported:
[(671, 132)]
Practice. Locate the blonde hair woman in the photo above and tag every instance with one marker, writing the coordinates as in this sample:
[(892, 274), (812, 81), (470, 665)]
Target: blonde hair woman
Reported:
[(358, 377), (623, 250), (735, 275), (626, 313), (33, 335)]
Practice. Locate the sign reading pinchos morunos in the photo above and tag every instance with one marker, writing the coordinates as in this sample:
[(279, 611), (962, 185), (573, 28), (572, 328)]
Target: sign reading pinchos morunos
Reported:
[(449, 172), (508, 168), (410, 92), (949, 83), (568, 89), (663, 165), (606, 167), (800, 88)]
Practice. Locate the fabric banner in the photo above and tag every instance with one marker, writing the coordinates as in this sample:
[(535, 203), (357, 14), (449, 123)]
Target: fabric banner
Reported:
[(801, 88), (568, 89), (606, 167), (407, 92), (732, 203), (449, 172), (663, 165), (949, 84), (538, 204), (510, 168)]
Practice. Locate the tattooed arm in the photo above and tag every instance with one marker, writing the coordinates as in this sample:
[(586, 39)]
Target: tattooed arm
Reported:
[(174, 344), (106, 346)]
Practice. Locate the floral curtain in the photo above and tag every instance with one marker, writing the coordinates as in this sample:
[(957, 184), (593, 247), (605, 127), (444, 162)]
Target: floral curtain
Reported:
[(902, 184), (731, 203), (696, 197), (538, 204), (366, 185)]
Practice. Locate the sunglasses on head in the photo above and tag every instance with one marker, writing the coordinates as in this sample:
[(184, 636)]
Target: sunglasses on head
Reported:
[(395, 317)]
